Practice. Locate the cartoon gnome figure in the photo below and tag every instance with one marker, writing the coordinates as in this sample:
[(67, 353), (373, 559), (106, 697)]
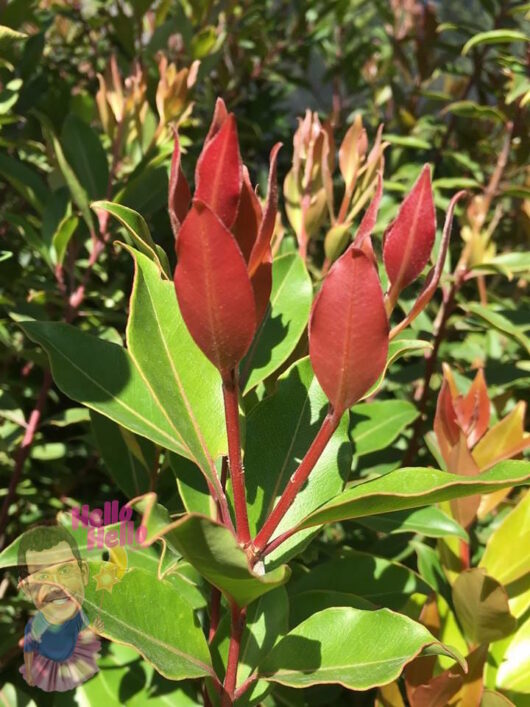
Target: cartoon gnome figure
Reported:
[(60, 650)]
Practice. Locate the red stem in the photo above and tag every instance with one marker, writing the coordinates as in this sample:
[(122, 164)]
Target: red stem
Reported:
[(237, 473), (238, 624), (328, 427), (24, 450)]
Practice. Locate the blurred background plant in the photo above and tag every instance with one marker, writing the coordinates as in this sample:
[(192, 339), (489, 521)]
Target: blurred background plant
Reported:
[(90, 92)]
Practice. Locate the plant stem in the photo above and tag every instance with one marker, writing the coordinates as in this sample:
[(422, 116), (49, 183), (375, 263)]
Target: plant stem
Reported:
[(328, 427), (24, 450), (430, 364), (237, 473), (237, 626)]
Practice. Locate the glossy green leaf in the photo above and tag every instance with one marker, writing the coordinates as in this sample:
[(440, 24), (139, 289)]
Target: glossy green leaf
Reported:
[(129, 459), (185, 385), (499, 322), (509, 264), (279, 432), (138, 229), (212, 549), (25, 180), (62, 236), (470, 109), (376, 425), (413, 488), (284, 321), (103, 376), (307, 603), (431, 522), (357, 649), (398, 348), (494, 36), (85, 155), (150, 615), (78, 192), (369, 577), (481, 604)]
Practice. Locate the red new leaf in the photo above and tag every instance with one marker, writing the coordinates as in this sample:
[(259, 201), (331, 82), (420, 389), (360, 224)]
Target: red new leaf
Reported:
[(248, 219), (473, 410), (263, 241), (179, 191), (218, 174), (348, 330), (409, 239), (213, 288)]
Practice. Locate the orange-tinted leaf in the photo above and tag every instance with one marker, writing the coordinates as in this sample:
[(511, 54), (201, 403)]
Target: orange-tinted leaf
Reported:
[(179, 191), (352, 149), (348, 330), (248, 219), (218, 175), (213, 288), (445, 423), (409, 239), (473, 410), (263, 241), (506, 439)]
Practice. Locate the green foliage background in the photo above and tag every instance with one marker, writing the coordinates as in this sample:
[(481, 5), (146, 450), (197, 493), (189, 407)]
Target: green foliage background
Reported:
[(447, 94)]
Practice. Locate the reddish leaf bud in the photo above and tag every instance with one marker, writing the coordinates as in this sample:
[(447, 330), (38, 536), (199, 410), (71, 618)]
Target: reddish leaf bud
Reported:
[(223, 277), (348, 330), (213, 288), (219, 173), (409, 239)]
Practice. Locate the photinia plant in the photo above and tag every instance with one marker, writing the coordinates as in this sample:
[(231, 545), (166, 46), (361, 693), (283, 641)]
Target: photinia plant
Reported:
[(260, 474)]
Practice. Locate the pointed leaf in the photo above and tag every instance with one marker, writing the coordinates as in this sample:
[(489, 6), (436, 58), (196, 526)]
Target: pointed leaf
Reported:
[(412, 488), (184, 384), (103, 376), (348, 330), (431, 522), (213, 288), (138, 229), (357, 649), (86, 156), (481, 604), (410, 238), (218, 175), (505, 439), (263, 240)]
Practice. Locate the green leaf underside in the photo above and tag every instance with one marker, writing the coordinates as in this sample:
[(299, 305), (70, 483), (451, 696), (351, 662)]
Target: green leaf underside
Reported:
[(384, 422), (284, 322), (162, 388), (150, 615), (279, 432), (183, 381), (213, 551), (431, 522), (354, 648), (415, 487), (102, 376)]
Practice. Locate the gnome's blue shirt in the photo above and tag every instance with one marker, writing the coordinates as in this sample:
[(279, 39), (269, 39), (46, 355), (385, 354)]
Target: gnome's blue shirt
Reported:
[(54, 641)]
